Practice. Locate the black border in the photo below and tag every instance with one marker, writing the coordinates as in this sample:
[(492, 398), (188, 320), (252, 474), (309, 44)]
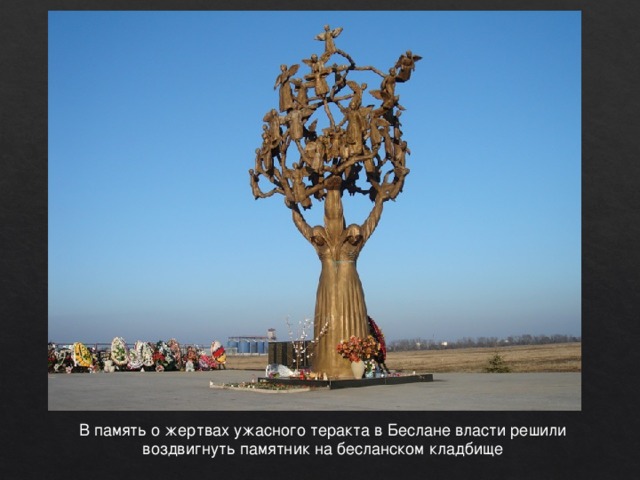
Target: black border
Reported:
[(602, 440)]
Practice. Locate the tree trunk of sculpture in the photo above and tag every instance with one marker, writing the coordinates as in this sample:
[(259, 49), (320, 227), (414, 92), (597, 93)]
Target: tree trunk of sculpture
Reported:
[(340, 304)]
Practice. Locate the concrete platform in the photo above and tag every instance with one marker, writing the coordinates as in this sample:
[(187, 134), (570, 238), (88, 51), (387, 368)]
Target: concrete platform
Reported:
[(364, 382), (182, 391)]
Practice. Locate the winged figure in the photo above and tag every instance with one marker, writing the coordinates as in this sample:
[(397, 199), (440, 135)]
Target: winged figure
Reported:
[(318, 74), (327, 37), (286, 96), (357, 92), (406, 63)]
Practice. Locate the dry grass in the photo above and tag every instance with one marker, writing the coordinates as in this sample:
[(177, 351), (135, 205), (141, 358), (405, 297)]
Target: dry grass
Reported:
[(563, 357), (559, 357)]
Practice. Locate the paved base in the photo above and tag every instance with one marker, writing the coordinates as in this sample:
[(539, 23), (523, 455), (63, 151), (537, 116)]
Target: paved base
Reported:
[(364, 382), (182, 391)]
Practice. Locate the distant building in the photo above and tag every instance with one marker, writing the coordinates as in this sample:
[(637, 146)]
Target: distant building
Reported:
[(251, 344)]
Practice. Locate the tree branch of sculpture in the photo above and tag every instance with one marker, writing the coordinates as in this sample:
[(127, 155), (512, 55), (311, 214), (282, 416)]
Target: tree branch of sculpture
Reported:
[(389, 190), (372, 220), (301, 192), (300, 223), (373, 69), (342, 166), (257, 192)]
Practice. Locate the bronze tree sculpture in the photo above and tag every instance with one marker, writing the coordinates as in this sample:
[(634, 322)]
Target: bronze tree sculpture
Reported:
[(328, 163)]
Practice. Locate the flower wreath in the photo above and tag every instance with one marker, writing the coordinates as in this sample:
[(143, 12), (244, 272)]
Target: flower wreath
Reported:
[(174, 346), (207, 363), (377, 334), (119, 351), (163, 356), (218, 352), (192, 354), (81, 355), (145, 352), (63, 356), (135, 357)]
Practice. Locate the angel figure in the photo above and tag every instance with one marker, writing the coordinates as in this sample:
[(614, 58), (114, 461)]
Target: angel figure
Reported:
[(264, 162), (406, 63), (286, 96), (400, 152), (334, 139), (301, 97), (327, 37), (269, 149), (378, 131), (388, 85), (339, 79), (318, 74), (313, 155), (355, 117), (309, 155), (387, 92), (254, 184), (378, 127), (300, 194), (356, 101), (395, 122), (296, 119), (274, 130)]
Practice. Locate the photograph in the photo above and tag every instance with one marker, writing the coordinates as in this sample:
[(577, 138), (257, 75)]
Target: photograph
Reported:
[(211, 194)]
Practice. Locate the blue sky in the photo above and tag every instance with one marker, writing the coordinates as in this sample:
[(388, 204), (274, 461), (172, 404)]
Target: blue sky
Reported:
[(154, 118)]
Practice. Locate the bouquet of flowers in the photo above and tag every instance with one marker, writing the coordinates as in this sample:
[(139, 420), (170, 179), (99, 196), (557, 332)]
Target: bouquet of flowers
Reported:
[(207, 363), (356, 348)]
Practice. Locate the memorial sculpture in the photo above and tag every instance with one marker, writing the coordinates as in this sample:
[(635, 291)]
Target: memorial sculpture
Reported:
[(329, 154)]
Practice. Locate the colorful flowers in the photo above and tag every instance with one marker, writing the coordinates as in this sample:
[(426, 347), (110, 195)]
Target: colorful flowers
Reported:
[(207, 363), (356, 348), (142, 356), (119, 351), (81, 355)]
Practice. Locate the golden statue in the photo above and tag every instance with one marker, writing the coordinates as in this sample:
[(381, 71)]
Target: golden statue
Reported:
[(327, 166)]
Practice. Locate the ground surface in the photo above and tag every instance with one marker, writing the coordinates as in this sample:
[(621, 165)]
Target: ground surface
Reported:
[(544, 377), (559, 357), (192, 391)]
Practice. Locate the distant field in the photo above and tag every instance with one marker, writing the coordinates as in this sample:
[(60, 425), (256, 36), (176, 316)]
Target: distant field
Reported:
[(561, 357), (558, 357)]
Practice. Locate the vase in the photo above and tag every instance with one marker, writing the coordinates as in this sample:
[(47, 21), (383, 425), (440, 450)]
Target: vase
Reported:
[(358, 369)]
